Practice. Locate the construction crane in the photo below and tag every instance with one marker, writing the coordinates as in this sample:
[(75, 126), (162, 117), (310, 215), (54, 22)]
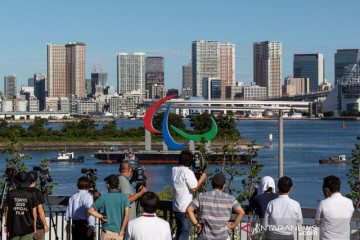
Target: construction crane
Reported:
[(186, 51)]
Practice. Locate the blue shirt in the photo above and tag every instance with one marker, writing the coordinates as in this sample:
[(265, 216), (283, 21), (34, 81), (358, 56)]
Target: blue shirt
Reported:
[(78, 207), (113, 204)]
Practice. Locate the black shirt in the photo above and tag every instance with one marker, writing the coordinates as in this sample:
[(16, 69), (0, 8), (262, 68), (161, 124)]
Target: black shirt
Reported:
[(41, 200), (261, 202), (20, 218)]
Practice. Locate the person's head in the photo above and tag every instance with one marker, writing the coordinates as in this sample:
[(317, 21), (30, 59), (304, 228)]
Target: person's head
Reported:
[(149, 201), (32, 177), (332, 183), (125, 169), (186, 158), (83, 183), (219, 181), (285, 184), (21, 180), (267, 185), (112, 182)]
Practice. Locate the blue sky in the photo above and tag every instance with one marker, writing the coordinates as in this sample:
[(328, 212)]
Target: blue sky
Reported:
[(164, 28)]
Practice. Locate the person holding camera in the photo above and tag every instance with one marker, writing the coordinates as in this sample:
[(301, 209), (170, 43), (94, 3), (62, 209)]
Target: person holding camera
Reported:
[(148, 226), (116, 210), (184, 184), (83, 224), (125, 187), (215, 209), (20, 215), (41, 225)]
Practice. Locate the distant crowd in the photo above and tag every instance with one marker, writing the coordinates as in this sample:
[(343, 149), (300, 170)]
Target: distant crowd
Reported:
[(210, 212)]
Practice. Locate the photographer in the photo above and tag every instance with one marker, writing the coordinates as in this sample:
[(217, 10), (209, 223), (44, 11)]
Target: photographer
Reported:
[(185, 184), (41, 225), (125, 187), (83, 224)]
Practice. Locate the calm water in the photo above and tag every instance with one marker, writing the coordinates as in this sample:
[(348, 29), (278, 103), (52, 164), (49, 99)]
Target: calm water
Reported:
[(305, 142)]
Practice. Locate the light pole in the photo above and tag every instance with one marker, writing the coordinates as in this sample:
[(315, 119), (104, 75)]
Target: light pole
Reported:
[(281, 144)]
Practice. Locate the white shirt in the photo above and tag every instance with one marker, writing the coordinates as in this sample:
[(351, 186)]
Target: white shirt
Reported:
[(183, 180), (335, 214), (148, 228), (283, 215)]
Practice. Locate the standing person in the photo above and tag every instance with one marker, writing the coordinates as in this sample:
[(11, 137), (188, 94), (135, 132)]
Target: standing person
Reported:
[(334, 213), (184, 184), (148, 226), (41, 225), (125, 187), (215, 208), (265, 194), (83, 224), (20, 216), (283, 215), (116, 210)]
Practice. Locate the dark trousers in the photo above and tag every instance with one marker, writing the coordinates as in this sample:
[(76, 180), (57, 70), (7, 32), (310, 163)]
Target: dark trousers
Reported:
[(80, 229), (274, 236), (183, 225)]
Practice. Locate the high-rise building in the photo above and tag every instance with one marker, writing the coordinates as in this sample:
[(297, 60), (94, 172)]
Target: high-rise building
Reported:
[(30, 82), (205, 63), (10, 86), (88, 87), (66, 70), (98, 79), (154, 71), (186, 80), (40, 89), (296, 86), (130, 72), (310, 66), (343, 58), (268, 67), (211, 88), (227, 66)]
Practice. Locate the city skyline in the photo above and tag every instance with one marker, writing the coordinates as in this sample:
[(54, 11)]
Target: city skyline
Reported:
[(23, 52)]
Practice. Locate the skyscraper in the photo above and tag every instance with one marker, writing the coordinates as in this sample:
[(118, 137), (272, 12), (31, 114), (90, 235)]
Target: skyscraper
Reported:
[(227, 66), (66, 70), (186, 80), (10, 86), (343, 58), (40, 89), (98, 79), (310, 66), (154, 71), (268, 66), (205, 63), (130, 72)]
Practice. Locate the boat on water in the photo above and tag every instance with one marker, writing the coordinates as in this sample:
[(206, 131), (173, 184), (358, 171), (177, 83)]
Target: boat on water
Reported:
[(334, 160), (67, 157), (159, 156)]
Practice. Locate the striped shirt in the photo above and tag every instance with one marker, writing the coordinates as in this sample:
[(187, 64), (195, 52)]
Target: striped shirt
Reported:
[(215, 210)]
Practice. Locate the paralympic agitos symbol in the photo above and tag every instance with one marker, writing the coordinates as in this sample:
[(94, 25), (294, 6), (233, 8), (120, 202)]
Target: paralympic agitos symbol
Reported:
[(169, 141)]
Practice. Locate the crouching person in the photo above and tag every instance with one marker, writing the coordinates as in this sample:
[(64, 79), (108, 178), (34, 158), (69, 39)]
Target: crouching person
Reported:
[(148, 226), (215, 208)]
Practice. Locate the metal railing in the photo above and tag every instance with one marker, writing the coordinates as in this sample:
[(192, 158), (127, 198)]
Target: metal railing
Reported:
[(247, 229)]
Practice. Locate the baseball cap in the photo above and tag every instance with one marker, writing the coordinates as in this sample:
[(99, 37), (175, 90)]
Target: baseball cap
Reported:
[(112, 180), (219, 180)]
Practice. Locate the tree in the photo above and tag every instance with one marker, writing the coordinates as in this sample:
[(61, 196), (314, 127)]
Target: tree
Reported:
[(173, 119), (354, 176)]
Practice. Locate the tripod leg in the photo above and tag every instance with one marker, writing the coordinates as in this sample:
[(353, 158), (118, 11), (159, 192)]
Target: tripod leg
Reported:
[(51, 217)]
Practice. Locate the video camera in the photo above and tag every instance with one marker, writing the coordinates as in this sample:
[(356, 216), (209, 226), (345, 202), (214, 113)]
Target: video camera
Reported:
[(198, 164), (91, 175), (139, 177), (10, 172), (44, 177)]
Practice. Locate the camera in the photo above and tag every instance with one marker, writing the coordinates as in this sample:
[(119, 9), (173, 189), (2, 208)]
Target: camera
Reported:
[(10, 171), (139, 177), (44, 177), (198, 164), (91, 175)]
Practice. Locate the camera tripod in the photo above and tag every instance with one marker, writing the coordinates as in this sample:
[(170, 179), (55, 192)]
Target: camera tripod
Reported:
[(44, 191), (9, 182)]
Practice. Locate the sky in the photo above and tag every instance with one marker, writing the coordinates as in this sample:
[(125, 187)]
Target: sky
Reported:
[(167, 28)]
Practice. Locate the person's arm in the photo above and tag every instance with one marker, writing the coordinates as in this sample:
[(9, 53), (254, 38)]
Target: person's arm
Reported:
[(6, 223), (35, 217), (267, 215), (94, 213), (202, 178), (125, 221), (299, 218), (42, 217), (91, 219), (190, 211), (137, 195), (318, 215), (240, 214)]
